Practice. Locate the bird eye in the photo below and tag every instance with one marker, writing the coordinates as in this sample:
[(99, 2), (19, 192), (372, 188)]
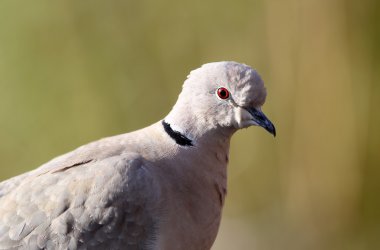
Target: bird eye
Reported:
[(223, 93)]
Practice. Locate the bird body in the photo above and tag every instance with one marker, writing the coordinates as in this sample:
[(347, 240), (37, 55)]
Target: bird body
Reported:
[(161, 187)]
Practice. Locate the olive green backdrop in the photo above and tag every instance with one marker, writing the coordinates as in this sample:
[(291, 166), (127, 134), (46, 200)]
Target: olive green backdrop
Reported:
[(75, 71)]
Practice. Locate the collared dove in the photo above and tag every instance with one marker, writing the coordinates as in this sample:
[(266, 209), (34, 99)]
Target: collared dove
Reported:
[(158, 188)]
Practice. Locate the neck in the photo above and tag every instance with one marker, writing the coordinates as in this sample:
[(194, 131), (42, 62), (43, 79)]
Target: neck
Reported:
[(188, 130), (177, 136)]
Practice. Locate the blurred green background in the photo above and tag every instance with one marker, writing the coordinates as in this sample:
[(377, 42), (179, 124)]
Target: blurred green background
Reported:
[(75, 71)]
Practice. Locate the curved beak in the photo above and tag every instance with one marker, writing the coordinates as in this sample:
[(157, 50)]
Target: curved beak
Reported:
[(261, 120)]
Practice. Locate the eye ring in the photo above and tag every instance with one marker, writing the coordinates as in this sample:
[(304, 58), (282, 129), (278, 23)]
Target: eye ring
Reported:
[(223, 93)]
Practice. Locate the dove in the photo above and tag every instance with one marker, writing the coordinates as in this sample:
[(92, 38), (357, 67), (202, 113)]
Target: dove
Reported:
[(158, 188)]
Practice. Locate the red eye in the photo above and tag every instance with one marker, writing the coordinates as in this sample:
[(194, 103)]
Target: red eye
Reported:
[(223, 93)]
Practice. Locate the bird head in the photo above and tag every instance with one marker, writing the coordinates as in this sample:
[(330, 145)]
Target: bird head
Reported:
[(223, 95)]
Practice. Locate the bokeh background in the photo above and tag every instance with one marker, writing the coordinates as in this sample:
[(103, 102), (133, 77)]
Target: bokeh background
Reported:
[(75, 71)]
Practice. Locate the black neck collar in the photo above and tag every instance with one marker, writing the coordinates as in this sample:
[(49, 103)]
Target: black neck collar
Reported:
[(176, 136)]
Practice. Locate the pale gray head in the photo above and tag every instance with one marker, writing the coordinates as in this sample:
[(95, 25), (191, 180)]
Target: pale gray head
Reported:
[(221, 95)]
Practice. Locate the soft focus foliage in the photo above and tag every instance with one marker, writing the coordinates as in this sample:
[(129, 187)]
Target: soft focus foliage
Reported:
[(74, 71)]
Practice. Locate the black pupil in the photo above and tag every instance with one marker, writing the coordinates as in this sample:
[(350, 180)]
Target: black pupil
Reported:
[(223, 93)]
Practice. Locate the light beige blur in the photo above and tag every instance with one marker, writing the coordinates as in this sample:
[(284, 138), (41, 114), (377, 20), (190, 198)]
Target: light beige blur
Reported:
[(75, 71)]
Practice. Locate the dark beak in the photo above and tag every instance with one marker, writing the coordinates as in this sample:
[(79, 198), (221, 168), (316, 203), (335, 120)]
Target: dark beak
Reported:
[(262, 120)]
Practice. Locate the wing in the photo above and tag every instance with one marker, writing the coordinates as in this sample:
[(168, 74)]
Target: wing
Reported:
[(97, 150), (101, 204)]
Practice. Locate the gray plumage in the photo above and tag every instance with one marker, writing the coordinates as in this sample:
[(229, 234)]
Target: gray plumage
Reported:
[(140, 190)]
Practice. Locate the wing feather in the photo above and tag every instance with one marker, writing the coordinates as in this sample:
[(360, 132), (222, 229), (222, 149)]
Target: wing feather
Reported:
[(100, 204)]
